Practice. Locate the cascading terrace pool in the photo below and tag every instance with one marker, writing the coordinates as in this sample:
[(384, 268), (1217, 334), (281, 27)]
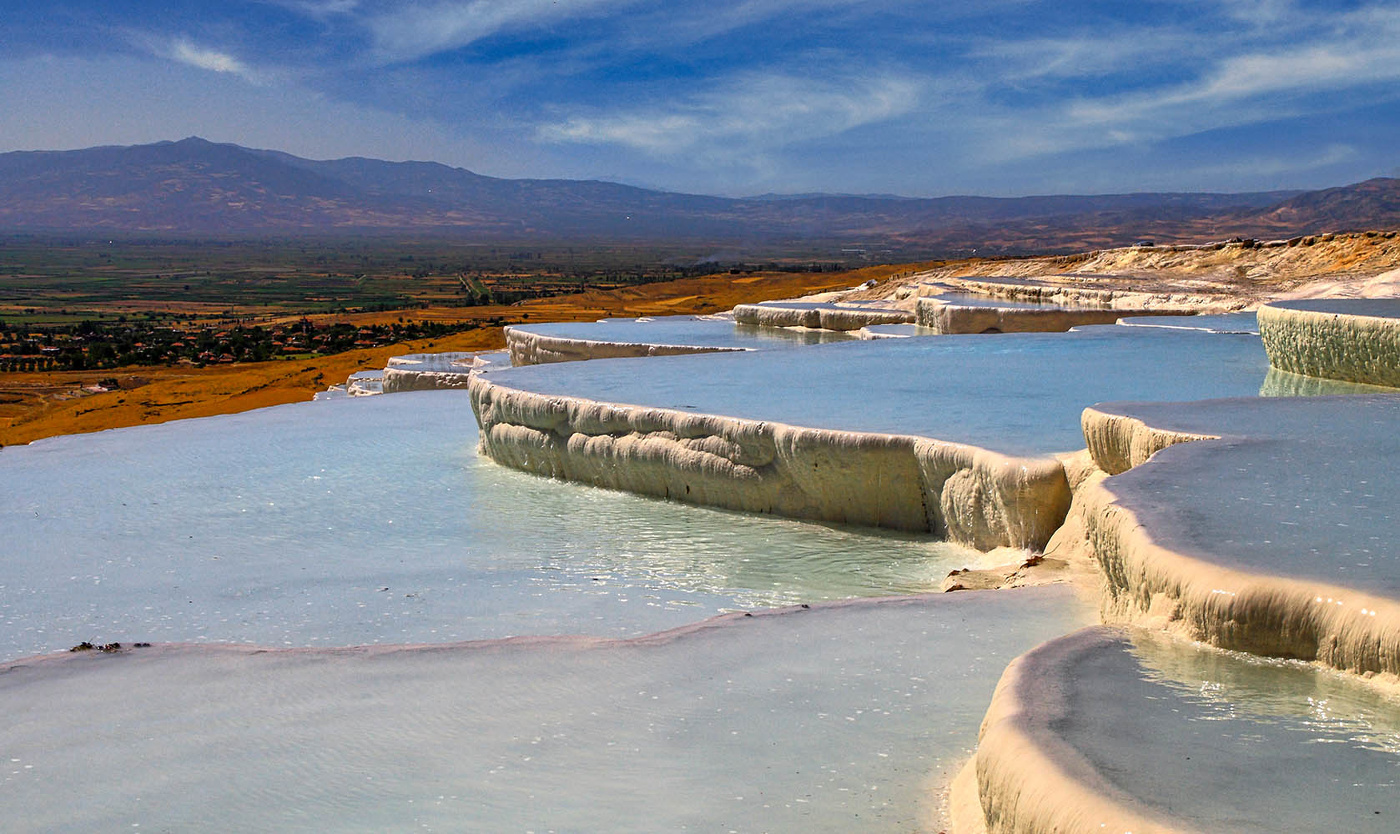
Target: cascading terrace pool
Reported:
[(362, 623)]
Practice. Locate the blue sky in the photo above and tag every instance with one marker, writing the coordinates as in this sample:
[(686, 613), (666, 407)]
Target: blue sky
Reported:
[(736, 97)]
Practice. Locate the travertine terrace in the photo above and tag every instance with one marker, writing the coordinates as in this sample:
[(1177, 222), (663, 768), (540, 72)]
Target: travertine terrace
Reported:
[(1314, 584), (1357, 341)]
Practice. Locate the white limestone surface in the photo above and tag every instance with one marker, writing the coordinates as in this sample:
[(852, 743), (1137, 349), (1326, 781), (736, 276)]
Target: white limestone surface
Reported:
[(435, 371), (1072, 290), (1277, 538), (1129, 731), (956, 435), (839, 315), (365, 384), (1357, 340), (969, 495), (833, 718), (945, 314), (535, 344), (872, 332)]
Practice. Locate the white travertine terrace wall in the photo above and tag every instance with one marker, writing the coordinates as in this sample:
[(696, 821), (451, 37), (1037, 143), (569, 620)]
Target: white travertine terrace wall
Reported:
[(1355, 348), (412, 373), (1118, 442), (527, 348), (401, 379), (824, 318), (964, 493), (1127, 302), (952, 318), (1152, 584), (1029, 780)]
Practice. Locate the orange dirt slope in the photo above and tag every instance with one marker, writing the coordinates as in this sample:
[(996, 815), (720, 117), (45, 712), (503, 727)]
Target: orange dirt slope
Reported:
[(39, 405)]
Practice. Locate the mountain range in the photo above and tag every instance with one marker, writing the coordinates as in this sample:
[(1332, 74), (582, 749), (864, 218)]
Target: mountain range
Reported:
[(196, 188)]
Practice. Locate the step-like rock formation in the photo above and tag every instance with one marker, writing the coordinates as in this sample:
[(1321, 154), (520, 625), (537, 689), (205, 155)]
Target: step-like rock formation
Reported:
[(1357, 340)]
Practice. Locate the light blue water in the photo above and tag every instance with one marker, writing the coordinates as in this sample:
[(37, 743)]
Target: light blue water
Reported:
[(968, 300), (1222, 323), (372, 520), (1225, 742), (896, 331), (453, 362), (1018, 393), (1310, 493), (821, 720), (683, 330), (1380, 307)]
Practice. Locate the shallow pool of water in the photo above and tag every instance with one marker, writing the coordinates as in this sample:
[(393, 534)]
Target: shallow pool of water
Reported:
[(372, 520), (1019, 393), (697, 331), (1388, 308), (1308, 493), (829, 719), (1220, 323), (969, 300), (1226, 742)]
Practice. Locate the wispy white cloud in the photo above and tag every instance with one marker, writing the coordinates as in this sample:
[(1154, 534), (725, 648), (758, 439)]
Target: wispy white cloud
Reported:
[(318, 9), (720, 95), (1085, 55), (1268, 165), (213, 60), (324, 8), (747, 116), (1356, 58), (1306, 70), (418, 30)]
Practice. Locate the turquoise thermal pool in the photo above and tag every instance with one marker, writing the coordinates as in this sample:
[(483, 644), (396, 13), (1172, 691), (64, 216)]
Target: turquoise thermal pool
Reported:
[(456, 362), (1299, 488), (690, 331), (970, 300), (1207, 740), (1218, 323), (838, 718), (372, 520), (1013, 393), (1385, 308)]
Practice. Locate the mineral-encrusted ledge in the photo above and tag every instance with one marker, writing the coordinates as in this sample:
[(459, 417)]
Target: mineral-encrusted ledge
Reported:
[(961, 492), (842, 319), (1029, 780), (946, 317), (1150, 583), (1331, 345), (1126, 302), (527, 348)]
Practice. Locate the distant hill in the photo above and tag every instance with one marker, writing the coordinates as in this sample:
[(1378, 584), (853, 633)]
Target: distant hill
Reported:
[(199, 188), (1373, 204)]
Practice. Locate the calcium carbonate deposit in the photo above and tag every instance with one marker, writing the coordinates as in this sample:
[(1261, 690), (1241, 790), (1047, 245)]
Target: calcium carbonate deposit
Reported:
[(434, 641)]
